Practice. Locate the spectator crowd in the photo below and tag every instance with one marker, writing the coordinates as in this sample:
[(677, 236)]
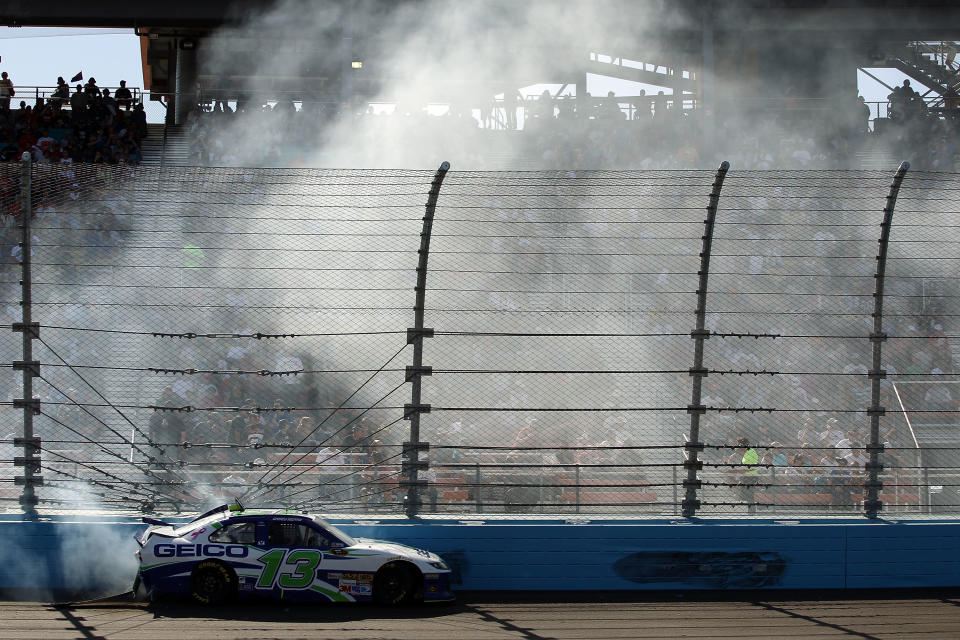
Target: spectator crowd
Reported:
[(547, 132), (90, 125)]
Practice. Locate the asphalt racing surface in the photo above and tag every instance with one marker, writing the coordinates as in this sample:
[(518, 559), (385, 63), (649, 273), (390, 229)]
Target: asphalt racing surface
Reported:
[(529, 617)]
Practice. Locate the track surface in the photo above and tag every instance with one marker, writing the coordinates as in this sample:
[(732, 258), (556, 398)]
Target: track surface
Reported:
[(533, 618)]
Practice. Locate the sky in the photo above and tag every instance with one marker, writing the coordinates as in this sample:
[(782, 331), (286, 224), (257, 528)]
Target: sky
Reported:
[(35, 56)]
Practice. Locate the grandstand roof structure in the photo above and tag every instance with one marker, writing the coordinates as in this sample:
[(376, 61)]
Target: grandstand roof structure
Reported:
[(932, 17), (812, 46)]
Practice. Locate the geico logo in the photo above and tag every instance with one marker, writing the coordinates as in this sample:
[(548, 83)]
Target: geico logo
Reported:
[(199, 550)]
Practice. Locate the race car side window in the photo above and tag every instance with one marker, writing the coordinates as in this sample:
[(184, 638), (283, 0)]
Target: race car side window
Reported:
[(236, 533), (292, 534)]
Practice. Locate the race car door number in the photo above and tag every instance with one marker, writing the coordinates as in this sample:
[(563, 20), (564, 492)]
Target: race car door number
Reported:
[(288, 569)]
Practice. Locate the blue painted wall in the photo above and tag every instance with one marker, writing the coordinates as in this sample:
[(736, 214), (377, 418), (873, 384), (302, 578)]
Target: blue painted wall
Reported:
[(98, 554)]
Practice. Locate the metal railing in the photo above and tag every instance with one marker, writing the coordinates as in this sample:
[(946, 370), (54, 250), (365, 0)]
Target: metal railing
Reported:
[(48, 93)]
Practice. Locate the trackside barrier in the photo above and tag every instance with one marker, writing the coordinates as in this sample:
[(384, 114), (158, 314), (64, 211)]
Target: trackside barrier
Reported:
[(63, 555)]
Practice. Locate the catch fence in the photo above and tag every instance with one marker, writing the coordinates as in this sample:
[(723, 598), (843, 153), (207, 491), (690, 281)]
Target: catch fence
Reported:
[(575, 343)]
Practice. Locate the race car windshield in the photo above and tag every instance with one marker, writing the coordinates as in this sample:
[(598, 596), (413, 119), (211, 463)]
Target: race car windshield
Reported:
[(346, 539)]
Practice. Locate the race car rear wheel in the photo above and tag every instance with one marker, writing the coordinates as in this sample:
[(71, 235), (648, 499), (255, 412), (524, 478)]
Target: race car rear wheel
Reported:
[(213, 583), (393, 584)]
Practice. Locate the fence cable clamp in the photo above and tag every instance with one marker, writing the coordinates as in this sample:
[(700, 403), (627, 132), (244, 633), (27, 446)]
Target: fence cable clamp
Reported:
[(29, 463), (878, 337), (409, 465), (24, 403), (695, 465), (409, 410), (412, 372), (31, 366), (700, 333), (876, 411), (702, 372), (877, 374), (414, 334), (694, 446), (409, 448), (33, 442), (22, 481), (32, 328), (698, 409)]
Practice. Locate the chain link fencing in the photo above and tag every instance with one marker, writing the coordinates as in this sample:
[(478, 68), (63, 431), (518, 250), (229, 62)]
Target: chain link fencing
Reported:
[(208, 334)]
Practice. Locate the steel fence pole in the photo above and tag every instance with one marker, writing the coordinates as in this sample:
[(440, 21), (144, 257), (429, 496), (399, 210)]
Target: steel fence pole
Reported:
[(30, 461), (693, 446), (872, 503), (412, 463)]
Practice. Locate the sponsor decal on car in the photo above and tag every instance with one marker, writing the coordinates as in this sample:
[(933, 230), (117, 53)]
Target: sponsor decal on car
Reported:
[(169, 550), (356, 576), (364, 589)]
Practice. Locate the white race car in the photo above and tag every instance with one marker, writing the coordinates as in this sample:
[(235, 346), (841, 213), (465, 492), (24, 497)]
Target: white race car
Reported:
[(231, 552)]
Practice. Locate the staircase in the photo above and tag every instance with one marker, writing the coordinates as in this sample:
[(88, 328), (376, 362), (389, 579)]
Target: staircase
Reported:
[(176, 152), (926, 62)]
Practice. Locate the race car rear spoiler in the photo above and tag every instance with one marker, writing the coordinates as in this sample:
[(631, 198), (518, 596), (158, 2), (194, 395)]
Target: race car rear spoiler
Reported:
[(153, 522), (236, 506)]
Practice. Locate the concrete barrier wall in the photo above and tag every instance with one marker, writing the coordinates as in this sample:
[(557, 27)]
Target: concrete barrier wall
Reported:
[(98, 554)]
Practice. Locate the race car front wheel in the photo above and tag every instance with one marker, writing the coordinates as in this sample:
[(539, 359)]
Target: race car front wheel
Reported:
[(393, 584), (213, 583)]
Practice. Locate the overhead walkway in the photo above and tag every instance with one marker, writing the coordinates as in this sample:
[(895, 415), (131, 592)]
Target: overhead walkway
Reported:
[(643, 71)]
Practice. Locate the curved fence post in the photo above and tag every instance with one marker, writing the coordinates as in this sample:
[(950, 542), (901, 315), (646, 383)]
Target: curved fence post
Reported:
[(31, 445), (872, 503), (412, 464), (693, 446)]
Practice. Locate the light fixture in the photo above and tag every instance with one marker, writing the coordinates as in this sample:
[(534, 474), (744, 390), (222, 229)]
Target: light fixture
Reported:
[(357, 64)]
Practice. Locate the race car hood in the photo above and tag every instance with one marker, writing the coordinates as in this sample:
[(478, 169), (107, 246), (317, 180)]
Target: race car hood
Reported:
[(396, 549)]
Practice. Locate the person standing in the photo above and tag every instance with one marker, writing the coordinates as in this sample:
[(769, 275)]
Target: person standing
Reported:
[(749, 474), (91, 88), (123, 96), (6, 91), (61, 95), (78, 106)]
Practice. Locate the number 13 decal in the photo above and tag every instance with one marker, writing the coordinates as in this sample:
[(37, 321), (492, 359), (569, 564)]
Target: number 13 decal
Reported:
[(299, 568)]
